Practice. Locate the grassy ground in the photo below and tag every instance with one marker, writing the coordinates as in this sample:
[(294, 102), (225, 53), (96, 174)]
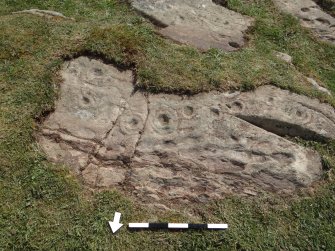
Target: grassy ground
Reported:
[(44, 208)]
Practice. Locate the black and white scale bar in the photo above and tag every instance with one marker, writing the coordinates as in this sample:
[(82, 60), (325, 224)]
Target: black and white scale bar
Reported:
[(176, 226)]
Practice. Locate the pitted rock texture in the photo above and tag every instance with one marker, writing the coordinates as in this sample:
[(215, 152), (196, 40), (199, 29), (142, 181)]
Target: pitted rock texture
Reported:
[(167, 148), (311, 16), (200, 23)]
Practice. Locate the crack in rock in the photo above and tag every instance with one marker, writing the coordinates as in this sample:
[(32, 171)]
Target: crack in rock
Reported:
[(200, 23), (285, 113), (168, 150)]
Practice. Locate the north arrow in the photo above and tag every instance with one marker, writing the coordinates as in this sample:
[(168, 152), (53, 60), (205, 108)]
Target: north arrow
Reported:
[(115, 225)]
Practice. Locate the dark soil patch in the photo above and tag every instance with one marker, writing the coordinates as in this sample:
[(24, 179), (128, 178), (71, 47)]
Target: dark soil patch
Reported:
[(327, 5), (223, 3)]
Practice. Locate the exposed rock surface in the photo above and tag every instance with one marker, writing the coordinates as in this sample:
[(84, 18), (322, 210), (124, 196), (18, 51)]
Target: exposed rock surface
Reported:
[(200, 23), (168, 148), (311, 16)]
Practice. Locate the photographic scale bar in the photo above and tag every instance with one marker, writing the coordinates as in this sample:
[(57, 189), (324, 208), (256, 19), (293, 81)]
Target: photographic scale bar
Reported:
[(115, 225), (176, 226)]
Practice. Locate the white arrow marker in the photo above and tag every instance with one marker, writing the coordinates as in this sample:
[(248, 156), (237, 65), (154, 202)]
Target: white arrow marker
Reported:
[(115, 224)]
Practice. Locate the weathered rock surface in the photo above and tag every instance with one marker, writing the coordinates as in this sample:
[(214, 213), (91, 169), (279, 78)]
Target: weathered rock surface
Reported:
[(286, 113), (311, 16), (200, 23), (168, 148)]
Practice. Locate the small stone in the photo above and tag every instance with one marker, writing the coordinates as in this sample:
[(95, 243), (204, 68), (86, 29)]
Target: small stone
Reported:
[(317, 86), (285, 57), (249, 192)]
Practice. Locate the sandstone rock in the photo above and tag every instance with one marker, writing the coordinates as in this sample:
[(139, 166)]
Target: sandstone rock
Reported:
[(90, 174), (311, 16), (85, 109), (59, 151), (200, 23), (110, 176), (285, 57), (285, 113), (167, 149)]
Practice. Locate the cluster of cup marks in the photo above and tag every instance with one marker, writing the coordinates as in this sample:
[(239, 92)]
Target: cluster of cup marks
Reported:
[(320, 20)]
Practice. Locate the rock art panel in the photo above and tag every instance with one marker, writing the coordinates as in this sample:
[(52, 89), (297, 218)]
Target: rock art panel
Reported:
[(285, 113), (311, 16), (85, 109), (200, 23), (165, 149)]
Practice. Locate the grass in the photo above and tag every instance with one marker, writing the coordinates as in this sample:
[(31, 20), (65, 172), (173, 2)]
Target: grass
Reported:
[(44, 208)]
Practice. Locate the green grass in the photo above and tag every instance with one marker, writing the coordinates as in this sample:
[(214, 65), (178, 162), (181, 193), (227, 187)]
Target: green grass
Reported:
[(43, 207)]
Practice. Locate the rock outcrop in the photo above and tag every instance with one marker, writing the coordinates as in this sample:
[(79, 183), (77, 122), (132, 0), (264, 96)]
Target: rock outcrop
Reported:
[(200, 23), (310, 16), (167, 149)]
